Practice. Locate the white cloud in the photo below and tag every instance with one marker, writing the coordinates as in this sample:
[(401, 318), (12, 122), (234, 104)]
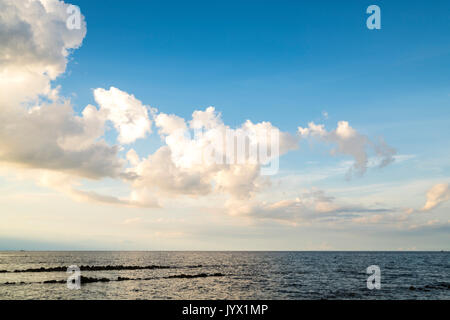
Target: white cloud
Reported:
[(350, 142), (94, 197), (158, 173), (181, 167), (311, 206), (129, 116), (70, 186), (437, 195), (34, 45), (169, 124), (52, 137)]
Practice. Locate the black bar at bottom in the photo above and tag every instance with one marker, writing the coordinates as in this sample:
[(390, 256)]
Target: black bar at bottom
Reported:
[(234, 309)]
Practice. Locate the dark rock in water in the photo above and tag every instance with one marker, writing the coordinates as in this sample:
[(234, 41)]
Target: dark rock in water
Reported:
[(100, 268), (97, 268), (54, 281), (412, 288), (125, 279), (122, 267), (83, 280), (42, 269), (92, 280), (191, 276), (15, 283), (217, 274), (188, 276), (86, 280), (49, 281)]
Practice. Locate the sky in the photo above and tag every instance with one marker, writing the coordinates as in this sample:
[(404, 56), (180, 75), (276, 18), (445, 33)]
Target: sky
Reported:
[(101, 126)]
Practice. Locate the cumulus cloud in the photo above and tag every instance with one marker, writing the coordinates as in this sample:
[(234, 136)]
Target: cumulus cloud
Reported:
[(159, 173), (206, 140), (34, 46), (129, 116), (196, 161), (52, 137), (437, 195), (348, 141)]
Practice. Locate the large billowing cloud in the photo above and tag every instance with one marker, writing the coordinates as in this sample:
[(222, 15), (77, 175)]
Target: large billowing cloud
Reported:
[(52, 137), (348, 141), (194, 160), (34, 46), (437, 195)]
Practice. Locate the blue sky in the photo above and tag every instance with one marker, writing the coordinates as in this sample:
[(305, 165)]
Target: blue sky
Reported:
[(283, 61), (287, 62), (267, 58)]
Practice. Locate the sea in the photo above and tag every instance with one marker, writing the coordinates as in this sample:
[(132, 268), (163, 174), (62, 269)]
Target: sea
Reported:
[(224, 275)]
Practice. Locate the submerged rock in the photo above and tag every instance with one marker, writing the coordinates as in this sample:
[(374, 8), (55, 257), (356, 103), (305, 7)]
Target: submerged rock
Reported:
[(190, 276), (125, 279), (100, 268), (92, 280), (86, 280), (54, 281)]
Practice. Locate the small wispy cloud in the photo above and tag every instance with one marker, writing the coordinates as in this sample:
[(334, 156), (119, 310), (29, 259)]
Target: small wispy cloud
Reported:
[(348, 141), (438, 194)]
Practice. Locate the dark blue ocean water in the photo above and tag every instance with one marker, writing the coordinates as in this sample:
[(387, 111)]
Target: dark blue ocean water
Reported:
[(227, 275)]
